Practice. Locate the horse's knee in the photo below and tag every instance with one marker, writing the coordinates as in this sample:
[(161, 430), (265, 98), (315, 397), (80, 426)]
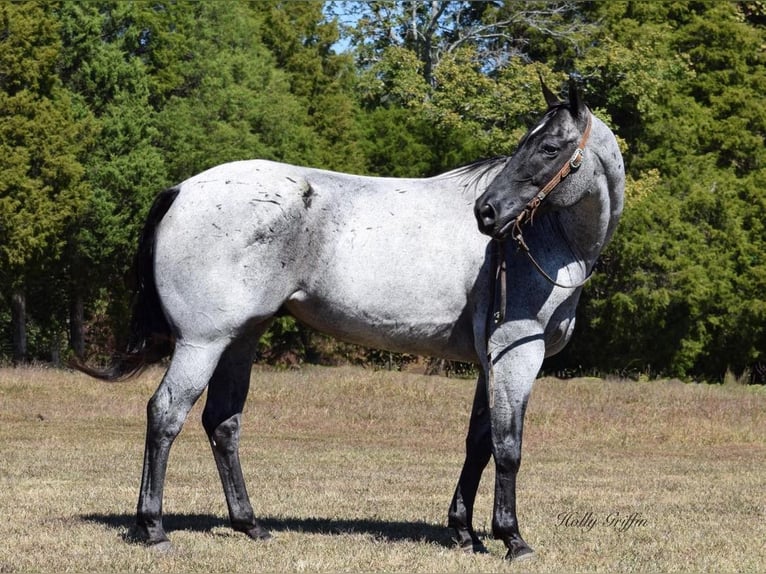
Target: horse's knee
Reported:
[(507, 457), (559, 337)]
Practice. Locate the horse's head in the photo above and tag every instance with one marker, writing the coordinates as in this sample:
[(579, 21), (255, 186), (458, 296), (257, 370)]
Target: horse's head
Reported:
[(542, 168)]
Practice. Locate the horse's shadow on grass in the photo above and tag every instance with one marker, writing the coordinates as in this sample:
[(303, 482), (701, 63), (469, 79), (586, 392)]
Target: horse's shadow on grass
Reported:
[(393, 531)]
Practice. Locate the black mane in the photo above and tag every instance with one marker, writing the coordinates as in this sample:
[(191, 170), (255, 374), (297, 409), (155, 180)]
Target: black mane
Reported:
[(473, 173)]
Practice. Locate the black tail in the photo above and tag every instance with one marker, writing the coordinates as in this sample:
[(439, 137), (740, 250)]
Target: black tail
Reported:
[(151, 338)]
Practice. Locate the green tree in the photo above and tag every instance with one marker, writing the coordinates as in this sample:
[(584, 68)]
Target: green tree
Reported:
[(302, 41), (682, 285), (43, 132), (221, 95), (124, 168), (179, 87)]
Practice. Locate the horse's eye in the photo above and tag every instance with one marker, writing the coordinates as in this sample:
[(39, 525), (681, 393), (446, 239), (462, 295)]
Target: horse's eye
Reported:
[(549, 149)]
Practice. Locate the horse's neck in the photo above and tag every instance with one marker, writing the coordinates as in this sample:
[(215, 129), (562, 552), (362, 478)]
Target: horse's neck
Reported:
[(585, 226), (589, 224)]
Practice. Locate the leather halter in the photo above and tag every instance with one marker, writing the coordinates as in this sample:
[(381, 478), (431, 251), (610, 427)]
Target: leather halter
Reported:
[(574, 163), (527, 216)]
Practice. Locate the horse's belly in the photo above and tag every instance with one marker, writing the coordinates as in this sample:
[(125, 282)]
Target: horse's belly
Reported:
[(387, 276), (389, 323)]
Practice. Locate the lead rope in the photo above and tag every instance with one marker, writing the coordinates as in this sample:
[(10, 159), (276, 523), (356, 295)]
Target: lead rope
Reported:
[(496, 315), (525, 248)]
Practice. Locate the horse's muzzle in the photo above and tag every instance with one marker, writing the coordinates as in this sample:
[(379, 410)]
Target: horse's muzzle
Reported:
[(486, 217), (491, 223)]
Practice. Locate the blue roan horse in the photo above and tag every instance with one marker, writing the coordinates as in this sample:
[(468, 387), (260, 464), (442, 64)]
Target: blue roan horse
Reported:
[(389, 263)]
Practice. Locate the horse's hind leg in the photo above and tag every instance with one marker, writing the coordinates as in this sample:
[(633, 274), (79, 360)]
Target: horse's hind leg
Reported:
[(186, 378), (478, 445), (221, 418)]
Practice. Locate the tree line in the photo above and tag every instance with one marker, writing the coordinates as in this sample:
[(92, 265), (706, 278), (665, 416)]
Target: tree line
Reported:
[(106, 102)]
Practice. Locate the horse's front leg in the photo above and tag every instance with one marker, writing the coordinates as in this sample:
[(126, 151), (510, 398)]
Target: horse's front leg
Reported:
[(514, 368), (478, 450)]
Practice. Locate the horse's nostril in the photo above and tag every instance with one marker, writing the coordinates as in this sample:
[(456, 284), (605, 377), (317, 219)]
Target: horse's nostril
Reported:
[(487, 215)]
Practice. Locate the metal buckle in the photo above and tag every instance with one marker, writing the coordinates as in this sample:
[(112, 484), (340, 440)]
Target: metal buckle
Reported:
[(576, 159)]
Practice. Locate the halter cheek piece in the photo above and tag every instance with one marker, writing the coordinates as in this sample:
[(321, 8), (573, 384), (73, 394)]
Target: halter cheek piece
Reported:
[(574, 163)]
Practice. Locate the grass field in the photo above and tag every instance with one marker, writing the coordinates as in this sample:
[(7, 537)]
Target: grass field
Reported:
[(353, 470)]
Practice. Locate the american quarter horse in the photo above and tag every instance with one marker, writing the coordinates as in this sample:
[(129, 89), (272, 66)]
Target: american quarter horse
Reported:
[(388, 263)]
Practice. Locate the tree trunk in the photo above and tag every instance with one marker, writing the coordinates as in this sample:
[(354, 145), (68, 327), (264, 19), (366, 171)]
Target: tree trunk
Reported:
[(76, 326), (56, 349), (19, 327)]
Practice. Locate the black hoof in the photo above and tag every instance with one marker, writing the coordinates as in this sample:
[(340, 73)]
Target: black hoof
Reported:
[(156, 540), (256, 532), (468, 542), (518, 550)]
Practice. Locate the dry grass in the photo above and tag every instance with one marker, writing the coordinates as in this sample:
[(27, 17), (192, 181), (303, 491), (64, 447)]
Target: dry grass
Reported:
[(353, 470)]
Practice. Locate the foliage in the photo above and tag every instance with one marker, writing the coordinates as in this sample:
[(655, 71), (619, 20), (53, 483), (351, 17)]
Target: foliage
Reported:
[(684, 288), (44, 132), (104, 103), (431, 31)]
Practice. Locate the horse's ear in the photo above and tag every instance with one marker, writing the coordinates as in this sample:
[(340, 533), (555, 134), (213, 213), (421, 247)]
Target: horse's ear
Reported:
[(550, 97), (576, 104)]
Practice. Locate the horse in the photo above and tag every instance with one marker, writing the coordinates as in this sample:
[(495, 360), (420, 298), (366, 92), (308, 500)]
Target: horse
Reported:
[(423, 266)]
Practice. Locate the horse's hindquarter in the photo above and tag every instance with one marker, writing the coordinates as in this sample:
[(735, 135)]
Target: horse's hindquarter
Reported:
[(225, 249), (381, 262)]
